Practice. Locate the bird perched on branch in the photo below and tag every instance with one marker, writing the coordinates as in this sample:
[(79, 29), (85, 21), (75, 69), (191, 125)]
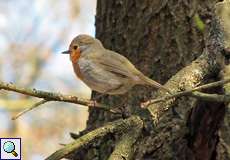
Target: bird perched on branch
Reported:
[(103, 70)]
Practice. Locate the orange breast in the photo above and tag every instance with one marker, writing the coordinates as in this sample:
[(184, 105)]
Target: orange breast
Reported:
[(74, 58), (77, 70)]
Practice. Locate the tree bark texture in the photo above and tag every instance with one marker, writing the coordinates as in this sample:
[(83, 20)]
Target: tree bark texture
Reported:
[(159, 37)]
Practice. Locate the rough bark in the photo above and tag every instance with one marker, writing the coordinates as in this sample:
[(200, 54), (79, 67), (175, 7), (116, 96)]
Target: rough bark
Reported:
[(223, 147), (160, 37)]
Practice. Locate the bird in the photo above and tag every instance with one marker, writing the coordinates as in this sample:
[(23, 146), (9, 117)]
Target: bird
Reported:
[(104, 70)]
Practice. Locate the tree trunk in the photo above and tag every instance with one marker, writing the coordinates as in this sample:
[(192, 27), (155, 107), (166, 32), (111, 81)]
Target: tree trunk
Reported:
[(160, 38)]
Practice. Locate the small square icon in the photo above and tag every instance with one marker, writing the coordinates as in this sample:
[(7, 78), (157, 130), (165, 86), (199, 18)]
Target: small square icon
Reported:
[(10, 149)]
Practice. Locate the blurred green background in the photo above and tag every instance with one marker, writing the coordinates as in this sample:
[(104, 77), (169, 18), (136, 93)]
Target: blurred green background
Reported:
[(32, 36)]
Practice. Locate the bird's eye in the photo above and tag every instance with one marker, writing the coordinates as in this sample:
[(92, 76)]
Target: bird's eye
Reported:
[(75, 47)]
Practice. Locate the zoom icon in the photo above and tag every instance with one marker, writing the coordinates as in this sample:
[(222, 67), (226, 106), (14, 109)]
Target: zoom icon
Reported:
[(10, 148)]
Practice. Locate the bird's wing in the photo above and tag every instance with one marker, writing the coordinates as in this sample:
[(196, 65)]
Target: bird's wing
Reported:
[(122, 67), (118, 64)]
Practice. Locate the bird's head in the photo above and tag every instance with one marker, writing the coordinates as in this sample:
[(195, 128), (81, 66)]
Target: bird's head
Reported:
[(82, 45)]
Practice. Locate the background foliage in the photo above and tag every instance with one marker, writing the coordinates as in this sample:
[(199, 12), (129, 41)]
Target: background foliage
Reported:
[(32, 35)]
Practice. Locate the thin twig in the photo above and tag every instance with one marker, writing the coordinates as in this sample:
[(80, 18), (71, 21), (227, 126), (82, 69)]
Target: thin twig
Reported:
[(211, 97), (29, 109), (187, 92), (51, 96)]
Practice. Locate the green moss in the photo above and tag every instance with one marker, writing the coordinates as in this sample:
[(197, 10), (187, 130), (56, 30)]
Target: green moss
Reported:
[(199, 23)]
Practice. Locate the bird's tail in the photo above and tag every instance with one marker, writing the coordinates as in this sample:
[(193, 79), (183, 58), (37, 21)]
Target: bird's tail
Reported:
[(150, 82)]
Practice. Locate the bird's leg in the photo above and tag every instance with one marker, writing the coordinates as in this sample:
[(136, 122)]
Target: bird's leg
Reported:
[(121, 108), (125, 113), (97, 97)]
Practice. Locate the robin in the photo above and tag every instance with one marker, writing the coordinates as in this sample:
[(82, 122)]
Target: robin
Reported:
[(103, 70)]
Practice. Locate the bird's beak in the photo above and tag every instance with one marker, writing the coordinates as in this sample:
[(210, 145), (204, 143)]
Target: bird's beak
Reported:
[(66, 52)]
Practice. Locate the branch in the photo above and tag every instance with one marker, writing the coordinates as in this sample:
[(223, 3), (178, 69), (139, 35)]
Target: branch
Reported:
[(124, 149), (211, 97), (188, 92), (118, 126), (50, 96), (29, 109)]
